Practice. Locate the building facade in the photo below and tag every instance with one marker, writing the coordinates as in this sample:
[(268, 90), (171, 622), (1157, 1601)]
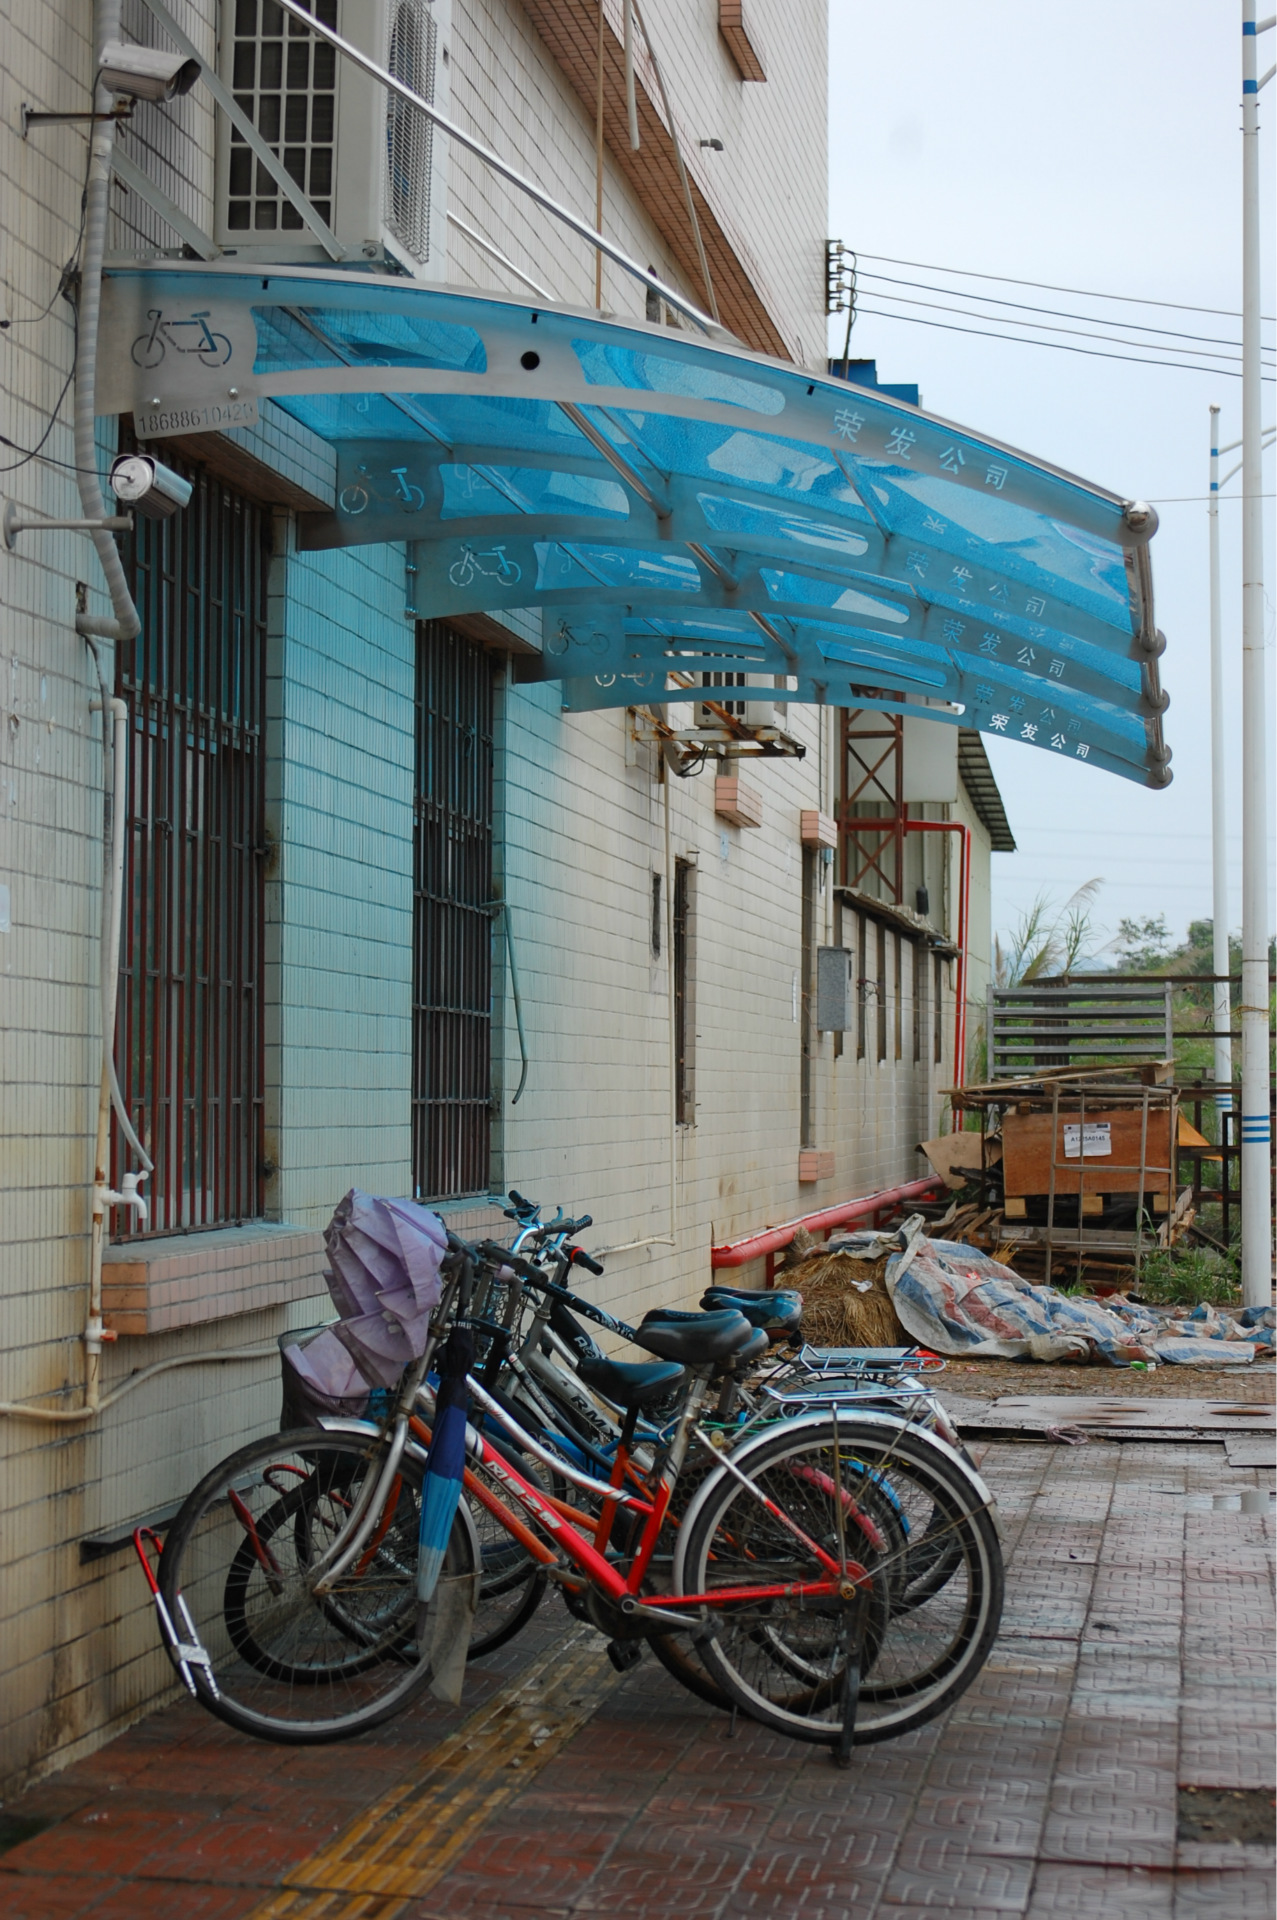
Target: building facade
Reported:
[(391, 916)]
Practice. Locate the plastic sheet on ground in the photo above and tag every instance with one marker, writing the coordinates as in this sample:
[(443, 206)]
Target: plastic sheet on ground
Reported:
[(957, 1300)]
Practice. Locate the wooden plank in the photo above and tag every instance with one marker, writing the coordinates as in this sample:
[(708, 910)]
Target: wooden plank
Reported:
[(1100, 1413)]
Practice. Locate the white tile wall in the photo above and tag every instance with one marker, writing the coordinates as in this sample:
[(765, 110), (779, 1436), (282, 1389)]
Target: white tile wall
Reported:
[(581, 833)]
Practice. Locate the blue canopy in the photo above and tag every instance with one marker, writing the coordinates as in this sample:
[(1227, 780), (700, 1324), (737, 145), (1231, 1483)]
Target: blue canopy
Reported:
[(673, 505)]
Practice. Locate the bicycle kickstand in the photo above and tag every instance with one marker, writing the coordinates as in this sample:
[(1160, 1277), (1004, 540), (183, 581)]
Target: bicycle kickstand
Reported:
[(184, 1654)]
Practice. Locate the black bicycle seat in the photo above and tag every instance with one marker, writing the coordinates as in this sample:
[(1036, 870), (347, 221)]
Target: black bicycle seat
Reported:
[(630, 1384), (778, 1312), (731, 1296), (699, 1339), (754, 1349)]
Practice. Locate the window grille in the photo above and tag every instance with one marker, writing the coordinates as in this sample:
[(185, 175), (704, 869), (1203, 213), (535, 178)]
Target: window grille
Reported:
[(882, 991), (937, 999), (286, 82), (864, 987), (919, 962), (807, 1034), (899, 997), (684, 1025), (409, 135), (452, 932), (189, 1022)]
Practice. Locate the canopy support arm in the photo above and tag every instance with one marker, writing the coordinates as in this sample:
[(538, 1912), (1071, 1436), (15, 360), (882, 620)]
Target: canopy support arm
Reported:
[(617, 461), (244, 127), (494, 160)]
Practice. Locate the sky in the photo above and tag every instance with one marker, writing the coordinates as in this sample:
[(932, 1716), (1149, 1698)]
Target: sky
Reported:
[(1096, 147)]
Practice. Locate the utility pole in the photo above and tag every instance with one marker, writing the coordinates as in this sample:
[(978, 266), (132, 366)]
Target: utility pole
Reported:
[(1219, 839), (1257, 1233)]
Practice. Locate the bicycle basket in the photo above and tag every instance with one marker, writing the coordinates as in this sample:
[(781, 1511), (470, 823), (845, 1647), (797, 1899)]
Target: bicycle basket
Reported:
[(320, 1377)]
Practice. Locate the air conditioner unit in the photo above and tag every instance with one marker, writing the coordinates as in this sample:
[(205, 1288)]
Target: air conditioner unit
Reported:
[(371, 165), (722, 689)]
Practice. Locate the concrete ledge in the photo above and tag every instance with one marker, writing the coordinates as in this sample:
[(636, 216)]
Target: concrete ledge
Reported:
[(183, 1280)]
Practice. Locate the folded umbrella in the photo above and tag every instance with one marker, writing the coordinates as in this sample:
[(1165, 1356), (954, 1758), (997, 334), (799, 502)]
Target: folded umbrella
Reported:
[(445, 1467)]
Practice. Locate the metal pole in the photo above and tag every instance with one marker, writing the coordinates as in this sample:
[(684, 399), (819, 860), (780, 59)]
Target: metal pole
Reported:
[(1257, 1269), (1219, 839)]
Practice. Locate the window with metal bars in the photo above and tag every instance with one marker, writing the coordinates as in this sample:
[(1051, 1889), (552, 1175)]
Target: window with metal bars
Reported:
[(189, 1024), (684, 1015), (452, 924)]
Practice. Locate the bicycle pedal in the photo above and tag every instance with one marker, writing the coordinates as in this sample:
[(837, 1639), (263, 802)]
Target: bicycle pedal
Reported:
[(624, 1654)]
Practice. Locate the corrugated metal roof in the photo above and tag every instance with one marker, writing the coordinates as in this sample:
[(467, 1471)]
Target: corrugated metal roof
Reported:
[(977, 778)]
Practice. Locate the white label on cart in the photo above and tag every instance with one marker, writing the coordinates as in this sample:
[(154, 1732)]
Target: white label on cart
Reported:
[(1091, 1143)]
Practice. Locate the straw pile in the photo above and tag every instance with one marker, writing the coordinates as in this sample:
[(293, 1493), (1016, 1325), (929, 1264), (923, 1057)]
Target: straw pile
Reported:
[(845, 1301)]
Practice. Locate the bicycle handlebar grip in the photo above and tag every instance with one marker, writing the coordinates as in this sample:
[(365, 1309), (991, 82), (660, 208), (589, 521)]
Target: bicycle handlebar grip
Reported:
[(503, 1256), (582, 1259)]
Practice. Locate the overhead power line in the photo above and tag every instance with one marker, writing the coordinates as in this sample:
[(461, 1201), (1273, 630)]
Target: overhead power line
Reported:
[(1047, 286), (1044, 326), (1062, 346), (1060, 313)]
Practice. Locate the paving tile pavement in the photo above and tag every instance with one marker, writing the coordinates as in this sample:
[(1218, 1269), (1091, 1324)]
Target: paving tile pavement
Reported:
[(1132, 1660)]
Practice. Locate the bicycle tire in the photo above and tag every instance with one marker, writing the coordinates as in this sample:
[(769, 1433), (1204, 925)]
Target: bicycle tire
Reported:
[(678, 1655), (292, 1666), (783, 1661), (512, 1584)]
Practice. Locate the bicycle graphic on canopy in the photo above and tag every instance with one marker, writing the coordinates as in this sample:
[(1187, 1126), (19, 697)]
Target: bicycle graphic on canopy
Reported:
[(192, 335), (356, 498), (463, 571)]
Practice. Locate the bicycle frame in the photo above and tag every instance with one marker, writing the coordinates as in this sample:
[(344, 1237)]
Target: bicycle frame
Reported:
[(839, 1581)]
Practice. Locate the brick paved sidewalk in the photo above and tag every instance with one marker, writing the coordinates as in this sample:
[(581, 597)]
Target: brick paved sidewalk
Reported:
[(1134, 1661)]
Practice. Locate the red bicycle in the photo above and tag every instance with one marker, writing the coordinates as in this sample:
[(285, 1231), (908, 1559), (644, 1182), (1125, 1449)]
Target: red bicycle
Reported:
[(803, 1563)]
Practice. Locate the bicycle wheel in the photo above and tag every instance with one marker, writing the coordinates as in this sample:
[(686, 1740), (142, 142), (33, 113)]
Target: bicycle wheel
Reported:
[(292, 1665), (786, 1661), (513, 1584)]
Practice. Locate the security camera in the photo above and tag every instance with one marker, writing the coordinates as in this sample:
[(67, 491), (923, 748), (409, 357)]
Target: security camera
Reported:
[(146, 73), (139, 481)]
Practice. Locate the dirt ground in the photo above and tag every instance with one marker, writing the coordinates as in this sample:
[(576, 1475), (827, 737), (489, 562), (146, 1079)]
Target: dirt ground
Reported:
[(989, 1379)]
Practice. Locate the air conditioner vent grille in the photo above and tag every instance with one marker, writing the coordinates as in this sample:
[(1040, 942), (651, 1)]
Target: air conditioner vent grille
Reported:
[(409, 135), (287, 85)]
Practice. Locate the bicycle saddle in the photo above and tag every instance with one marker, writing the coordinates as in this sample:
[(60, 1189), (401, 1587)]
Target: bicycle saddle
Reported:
[(700, 1338), (739, 1296), (777, 1312), (630, 1384)]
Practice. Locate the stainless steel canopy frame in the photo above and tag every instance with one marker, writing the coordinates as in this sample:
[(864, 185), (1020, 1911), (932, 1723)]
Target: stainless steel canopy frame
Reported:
[(671, 504)]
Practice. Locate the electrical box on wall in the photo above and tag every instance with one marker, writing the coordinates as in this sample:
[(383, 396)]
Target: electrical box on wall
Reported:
[(930, 760), (833, 989), (371, 165)]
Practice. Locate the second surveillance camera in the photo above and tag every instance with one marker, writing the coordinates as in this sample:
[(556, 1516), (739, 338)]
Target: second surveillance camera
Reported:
[(140, 481), (146, 73)]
